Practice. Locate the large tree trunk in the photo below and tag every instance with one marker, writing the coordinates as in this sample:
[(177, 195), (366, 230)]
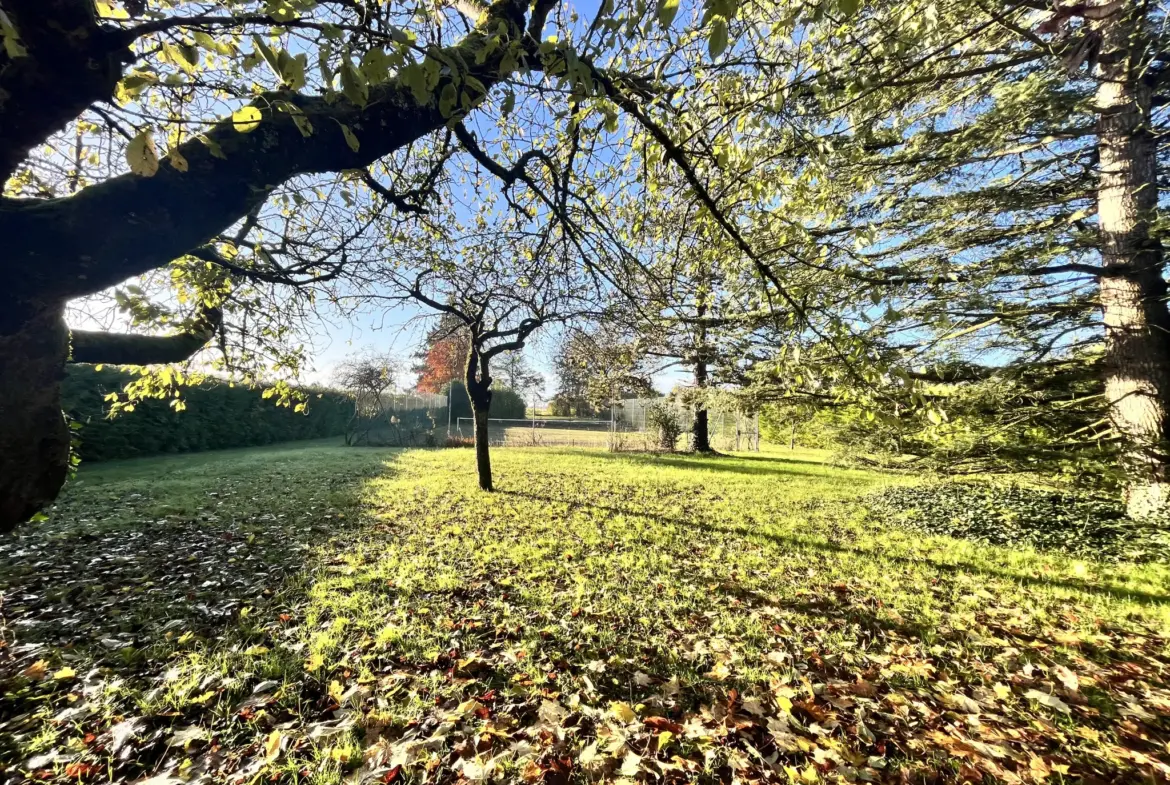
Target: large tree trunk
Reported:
[(1133, 292), (34, 442), (700, 428)]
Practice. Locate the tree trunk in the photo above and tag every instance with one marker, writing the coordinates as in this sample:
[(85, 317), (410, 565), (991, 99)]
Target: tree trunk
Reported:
[(792, 435), (479, 392), (483, 458), (700, 428), (34, 442), (1137, 349)]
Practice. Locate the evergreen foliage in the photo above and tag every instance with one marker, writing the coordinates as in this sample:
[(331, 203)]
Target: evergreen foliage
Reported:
[(217, 416)]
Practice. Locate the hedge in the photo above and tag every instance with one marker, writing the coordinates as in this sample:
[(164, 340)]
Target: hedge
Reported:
[(218, 416)]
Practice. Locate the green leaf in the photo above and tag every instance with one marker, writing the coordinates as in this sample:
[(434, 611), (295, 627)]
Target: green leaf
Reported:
[(353, 84), (717, 42), (266, 52), (142, 155), (848, 7), (447, 98), (350, 139), (246, 119), (667, 10)]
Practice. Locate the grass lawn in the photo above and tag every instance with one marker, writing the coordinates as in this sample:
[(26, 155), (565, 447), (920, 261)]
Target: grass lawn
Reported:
[(333, 614)]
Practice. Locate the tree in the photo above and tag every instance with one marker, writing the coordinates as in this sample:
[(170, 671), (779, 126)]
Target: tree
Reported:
[(61, 58), (442, 355), (456, 271), (599, 365), (519, 376), (967, 184), (366, 377), (185, 143)]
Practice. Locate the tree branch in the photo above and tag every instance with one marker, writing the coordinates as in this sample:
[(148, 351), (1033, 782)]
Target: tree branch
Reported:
[(91, 346)]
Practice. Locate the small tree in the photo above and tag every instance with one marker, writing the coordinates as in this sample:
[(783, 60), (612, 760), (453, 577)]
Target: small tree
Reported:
[(663, 420), (366, 377), (500, 282)]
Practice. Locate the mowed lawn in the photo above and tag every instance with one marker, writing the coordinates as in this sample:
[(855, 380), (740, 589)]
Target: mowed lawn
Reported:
[(321, 613)]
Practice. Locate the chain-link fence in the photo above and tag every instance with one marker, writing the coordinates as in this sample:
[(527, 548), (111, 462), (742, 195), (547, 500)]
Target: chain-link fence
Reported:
[(399, 420), (628, 426)]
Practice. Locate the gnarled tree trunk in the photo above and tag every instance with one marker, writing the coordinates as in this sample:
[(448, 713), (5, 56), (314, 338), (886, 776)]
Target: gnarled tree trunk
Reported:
[(1133, 292)]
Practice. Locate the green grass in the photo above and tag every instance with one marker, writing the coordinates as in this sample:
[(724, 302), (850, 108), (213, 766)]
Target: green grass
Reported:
[(601, 617)]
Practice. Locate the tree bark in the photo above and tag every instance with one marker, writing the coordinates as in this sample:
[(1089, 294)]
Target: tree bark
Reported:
[(479, 391), (34, 439), (483, 458), (1133, 291), (700, 428)]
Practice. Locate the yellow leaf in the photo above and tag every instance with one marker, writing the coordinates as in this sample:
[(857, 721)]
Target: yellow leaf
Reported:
[(622, 712), (142, 155), (177, 160), (1002, 691), (314, 663), (784, 703), (37, 670), (107, 10), (810, 774), (65, 673), (272, 746), (246, 119)]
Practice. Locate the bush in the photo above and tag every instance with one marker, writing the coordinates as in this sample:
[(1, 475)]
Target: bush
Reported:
[(1080, 525), (218, 416), (663, 420)]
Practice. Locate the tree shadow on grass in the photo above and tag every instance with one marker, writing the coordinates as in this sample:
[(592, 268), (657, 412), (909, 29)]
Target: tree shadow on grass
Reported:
[(746, 531), (126, 562), (714, 463)]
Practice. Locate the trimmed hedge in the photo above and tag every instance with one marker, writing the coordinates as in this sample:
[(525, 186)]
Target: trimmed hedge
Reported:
[(218, 416), (506, 404)]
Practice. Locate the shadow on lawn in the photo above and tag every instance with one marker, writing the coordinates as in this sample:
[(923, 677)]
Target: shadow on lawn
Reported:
[(1119, 592), (123, 566), (716, 463)]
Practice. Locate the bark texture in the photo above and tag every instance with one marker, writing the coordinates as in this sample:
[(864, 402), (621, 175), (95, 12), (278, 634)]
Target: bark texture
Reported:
[(34, 442), (483, 458), (1133, 291), (700, 428), (479, 390)]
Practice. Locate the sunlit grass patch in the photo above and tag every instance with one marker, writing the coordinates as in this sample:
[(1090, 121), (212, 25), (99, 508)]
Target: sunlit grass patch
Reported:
[(363, 614)]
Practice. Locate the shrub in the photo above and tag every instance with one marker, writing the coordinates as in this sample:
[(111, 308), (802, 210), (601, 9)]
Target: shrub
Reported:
[(1077, 524), (663, 420)]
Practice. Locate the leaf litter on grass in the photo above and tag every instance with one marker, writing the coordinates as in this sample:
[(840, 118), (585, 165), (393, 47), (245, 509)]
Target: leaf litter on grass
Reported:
[(618, 624)]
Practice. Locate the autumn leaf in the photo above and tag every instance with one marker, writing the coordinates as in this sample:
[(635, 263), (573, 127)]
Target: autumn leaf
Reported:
[(36, 671), (272, 746), (142, 155), (622, 712)]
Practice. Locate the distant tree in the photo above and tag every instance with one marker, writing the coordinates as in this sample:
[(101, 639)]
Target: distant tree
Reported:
[(367, 377), (519, 376), (598, 366), (500, 280), (442, 355)]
